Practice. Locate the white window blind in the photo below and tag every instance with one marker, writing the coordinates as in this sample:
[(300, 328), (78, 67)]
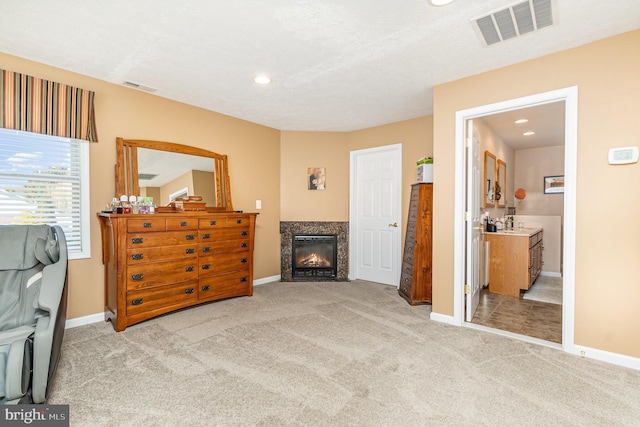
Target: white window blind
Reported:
[(44, 180)]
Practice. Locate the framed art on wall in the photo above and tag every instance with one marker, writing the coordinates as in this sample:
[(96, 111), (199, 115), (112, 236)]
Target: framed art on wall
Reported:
[(316, 178), (554, 184)]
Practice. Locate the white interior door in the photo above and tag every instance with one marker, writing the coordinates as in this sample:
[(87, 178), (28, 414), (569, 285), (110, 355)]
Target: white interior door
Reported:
[(473, 223), (375, 216)]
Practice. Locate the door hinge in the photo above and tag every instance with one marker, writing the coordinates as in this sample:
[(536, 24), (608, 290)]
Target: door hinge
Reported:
[(467, 217), (467, 142), (467, 289)]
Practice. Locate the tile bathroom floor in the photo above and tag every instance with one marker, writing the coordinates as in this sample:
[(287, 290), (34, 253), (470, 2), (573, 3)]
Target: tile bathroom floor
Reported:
[(532, 318)]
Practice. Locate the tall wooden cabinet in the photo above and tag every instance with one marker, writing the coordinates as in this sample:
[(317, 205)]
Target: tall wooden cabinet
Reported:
[(159, 263), (415, 280)]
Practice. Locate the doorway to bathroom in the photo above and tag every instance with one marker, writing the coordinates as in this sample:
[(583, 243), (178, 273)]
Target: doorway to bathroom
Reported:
[(482, 130)]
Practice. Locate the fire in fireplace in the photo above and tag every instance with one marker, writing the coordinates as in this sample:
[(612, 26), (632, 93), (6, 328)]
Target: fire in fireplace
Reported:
[(314, 256)]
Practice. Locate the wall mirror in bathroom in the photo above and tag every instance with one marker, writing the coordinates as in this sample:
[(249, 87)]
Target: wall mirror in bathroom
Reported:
[(159, 169), (501, 185), (489, 180)]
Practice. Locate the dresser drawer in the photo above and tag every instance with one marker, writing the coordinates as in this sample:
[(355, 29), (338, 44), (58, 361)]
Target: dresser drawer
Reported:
[(224, 286), (161, 273), (210, 248), (169, 238), (238, 221), (175, 224), (147, 224), (224, 234), (224, 263), (210, 223), (144, 255), (172, 297)]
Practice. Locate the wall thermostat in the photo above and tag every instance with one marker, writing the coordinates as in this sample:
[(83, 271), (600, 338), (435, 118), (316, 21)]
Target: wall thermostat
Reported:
[(623, 155)]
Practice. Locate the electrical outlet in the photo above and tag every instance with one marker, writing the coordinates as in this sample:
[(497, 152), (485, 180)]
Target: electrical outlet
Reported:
[(258, 204)]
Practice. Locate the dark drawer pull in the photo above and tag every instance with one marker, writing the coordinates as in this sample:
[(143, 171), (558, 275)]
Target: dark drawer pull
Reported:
[(243, 260), (137, 256), (212, 223), (244, 233), (238, 221), (243, 245), (147, 225), (136, 240), (189, 268), (206, 249), (243, 279), (188, 291), (206, 287), (206, 266), (206, 235), (189, 250), (137, 301), (136, 276), (183, 223), (189, 237)]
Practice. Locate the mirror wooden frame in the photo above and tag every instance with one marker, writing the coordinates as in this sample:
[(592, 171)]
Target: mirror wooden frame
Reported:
[(501, 179), (126, 169), (489, 181)]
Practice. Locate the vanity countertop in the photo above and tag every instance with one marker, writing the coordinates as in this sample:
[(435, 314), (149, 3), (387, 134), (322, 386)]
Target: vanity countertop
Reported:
[(517, 232)]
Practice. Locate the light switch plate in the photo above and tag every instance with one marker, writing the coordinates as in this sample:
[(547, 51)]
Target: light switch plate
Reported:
[(623, 155), (258, 204)]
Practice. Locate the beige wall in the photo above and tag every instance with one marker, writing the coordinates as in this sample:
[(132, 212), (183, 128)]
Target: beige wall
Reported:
[(301, 150), (183, 181), (202, 186), (607, 269), (254, 165), (532, 165)]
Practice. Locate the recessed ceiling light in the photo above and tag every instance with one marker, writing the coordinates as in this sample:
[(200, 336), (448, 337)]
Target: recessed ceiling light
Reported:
[(262, 80), (440, 2), (520, 121), (529, 133)]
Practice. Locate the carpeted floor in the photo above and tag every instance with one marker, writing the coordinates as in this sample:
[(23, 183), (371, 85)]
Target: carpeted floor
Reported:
[(329, 354)]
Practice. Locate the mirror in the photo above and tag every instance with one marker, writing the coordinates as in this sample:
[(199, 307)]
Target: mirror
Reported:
[(489, 180), (501, 185), (167, 171)]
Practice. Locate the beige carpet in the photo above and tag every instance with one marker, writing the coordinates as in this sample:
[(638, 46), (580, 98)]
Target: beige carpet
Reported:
[(329, 354), (545, 289)]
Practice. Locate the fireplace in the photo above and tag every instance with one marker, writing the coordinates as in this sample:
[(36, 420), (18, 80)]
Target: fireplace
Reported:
[(337, 230), (314, 256)]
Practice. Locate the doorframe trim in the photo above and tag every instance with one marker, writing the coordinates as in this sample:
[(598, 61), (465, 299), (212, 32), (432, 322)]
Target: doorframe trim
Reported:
[(353, 222), (570, 96)]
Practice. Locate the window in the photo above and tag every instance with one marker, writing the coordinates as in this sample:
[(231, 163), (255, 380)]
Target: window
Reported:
[(45, 179)]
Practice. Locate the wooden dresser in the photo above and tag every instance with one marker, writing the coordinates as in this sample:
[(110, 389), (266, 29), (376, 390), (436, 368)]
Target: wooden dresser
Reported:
[(515, 260), (158, 263), (415, 280)]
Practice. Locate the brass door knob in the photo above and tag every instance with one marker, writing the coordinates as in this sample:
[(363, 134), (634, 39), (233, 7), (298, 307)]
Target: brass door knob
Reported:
[(395, 224)]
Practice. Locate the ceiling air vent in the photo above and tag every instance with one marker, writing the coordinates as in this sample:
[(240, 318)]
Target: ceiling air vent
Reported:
[(139, 86), (146, 176), (514, 21)]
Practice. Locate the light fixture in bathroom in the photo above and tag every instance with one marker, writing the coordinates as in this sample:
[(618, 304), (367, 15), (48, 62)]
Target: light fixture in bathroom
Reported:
[(529, 133), (520, 121), (262, 79), (440, 2)]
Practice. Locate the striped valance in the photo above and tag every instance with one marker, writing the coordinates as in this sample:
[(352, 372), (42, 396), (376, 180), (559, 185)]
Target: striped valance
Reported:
[(41, 106)]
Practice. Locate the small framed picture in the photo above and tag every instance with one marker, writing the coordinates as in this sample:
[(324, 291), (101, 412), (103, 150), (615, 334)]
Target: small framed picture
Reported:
[(316, 178), (554, 184)]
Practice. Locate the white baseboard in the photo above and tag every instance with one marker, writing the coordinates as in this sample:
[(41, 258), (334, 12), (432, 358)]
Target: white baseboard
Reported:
[(550, 274), (605, 356), (84, 320), (267, 280), (442, 318)]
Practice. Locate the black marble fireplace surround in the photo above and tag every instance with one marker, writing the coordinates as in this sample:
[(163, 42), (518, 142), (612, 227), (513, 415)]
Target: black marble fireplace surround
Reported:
[(288, 229)]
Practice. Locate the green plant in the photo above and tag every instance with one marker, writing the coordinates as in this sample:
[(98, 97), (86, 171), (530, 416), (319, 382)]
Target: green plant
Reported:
[(425, 161)]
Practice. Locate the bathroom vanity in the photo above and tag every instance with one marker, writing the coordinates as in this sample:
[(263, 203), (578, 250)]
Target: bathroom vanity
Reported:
[(515, 259)]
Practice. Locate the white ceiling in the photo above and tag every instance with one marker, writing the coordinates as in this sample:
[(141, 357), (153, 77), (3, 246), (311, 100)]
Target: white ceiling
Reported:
[(336, 65)]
